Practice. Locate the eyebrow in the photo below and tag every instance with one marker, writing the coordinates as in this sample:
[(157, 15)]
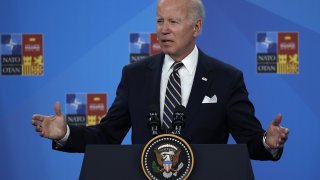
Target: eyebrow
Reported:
[(174, 18)]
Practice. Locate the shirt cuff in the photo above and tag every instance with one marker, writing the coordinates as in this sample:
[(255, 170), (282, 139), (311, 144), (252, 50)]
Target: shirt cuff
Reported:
[(63, 141), (273, 151)]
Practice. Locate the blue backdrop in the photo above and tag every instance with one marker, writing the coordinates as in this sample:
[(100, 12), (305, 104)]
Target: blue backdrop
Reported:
[(86, 46)]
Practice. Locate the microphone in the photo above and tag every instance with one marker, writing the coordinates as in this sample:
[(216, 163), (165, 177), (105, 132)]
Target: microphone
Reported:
[(178, 122), (154, 120)]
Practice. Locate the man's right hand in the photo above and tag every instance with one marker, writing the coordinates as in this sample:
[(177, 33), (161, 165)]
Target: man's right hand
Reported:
[(51, 127)]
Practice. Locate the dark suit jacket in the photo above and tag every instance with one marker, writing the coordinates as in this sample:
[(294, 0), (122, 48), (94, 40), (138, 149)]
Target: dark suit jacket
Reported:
[(205, 123)]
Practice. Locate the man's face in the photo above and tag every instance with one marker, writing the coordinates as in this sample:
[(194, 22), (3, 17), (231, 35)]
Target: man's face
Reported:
[(176, 33)]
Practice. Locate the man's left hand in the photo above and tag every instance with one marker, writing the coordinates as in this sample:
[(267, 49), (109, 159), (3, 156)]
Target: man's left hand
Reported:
[(276, 135)]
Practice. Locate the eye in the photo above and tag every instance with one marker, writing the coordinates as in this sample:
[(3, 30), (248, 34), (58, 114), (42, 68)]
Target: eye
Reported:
[(173, 22), (159, 21)]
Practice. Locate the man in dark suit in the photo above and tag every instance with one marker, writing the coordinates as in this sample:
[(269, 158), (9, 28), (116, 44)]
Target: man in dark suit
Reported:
[(213, 92)]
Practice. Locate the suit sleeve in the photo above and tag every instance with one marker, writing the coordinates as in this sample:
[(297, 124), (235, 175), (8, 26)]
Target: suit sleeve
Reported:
[(112, 128), (242, 123)]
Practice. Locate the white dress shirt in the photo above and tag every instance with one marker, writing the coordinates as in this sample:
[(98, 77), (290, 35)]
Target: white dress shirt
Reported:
[(186, 72)]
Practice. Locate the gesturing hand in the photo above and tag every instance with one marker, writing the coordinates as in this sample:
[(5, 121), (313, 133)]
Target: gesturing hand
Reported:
[(276, 135), (51, 127)]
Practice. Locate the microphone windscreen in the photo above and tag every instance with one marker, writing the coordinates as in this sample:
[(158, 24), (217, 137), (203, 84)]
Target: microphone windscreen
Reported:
[(180, 109), (154, 109)]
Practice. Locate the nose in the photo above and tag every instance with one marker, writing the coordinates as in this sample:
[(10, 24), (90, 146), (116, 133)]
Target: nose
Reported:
[(164, 28)]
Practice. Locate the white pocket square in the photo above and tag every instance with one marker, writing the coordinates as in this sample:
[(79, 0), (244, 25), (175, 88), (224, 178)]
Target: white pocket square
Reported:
[(207, 99)]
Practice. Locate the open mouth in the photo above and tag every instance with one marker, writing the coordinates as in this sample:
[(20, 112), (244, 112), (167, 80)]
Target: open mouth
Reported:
[(166, 41)]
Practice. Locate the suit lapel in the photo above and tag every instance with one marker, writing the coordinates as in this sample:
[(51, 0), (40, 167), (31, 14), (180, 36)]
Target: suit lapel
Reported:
[(200, 85), (153, 79)]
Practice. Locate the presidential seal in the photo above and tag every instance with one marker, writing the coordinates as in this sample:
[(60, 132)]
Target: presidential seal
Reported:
[(167, 157)]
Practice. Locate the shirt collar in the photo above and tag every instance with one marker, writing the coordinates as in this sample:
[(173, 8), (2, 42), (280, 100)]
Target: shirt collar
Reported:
[(190, 62)]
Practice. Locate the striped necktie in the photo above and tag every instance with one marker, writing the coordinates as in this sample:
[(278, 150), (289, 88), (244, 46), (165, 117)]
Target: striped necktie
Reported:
[(173, 96)]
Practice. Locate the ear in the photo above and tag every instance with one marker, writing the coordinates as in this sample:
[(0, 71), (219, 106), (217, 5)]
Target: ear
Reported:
[(197, 28)]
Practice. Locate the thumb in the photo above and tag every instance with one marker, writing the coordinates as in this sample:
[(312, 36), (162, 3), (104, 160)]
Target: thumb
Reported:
[(57, 108), (277, 120)]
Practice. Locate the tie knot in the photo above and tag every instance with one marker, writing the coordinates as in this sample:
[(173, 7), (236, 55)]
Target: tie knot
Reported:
[(177, 66)]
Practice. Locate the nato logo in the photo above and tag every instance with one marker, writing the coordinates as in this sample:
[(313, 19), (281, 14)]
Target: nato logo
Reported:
[(11, 44), (11, 54), (84, 109), (76, 109), (139, 46), (267, 42), (21, 54), (143, 45), (139, 43), (277, 52)]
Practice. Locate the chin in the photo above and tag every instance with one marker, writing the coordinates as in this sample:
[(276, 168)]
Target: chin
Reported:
[(167, 50)]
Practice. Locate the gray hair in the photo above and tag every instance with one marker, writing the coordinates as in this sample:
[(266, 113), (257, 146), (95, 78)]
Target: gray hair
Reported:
[(196, 11)]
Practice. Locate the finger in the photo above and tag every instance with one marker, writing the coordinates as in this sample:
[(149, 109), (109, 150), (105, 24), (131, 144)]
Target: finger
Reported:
[(284, 131), (282, 140), (36, 122), (280, 145), (283, 136), (38, 117), (57, 108), (42, 134), (38, 128), (277, 120)]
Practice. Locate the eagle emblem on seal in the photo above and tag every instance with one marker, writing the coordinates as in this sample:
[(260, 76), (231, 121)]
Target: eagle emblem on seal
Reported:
[(167, 156)]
